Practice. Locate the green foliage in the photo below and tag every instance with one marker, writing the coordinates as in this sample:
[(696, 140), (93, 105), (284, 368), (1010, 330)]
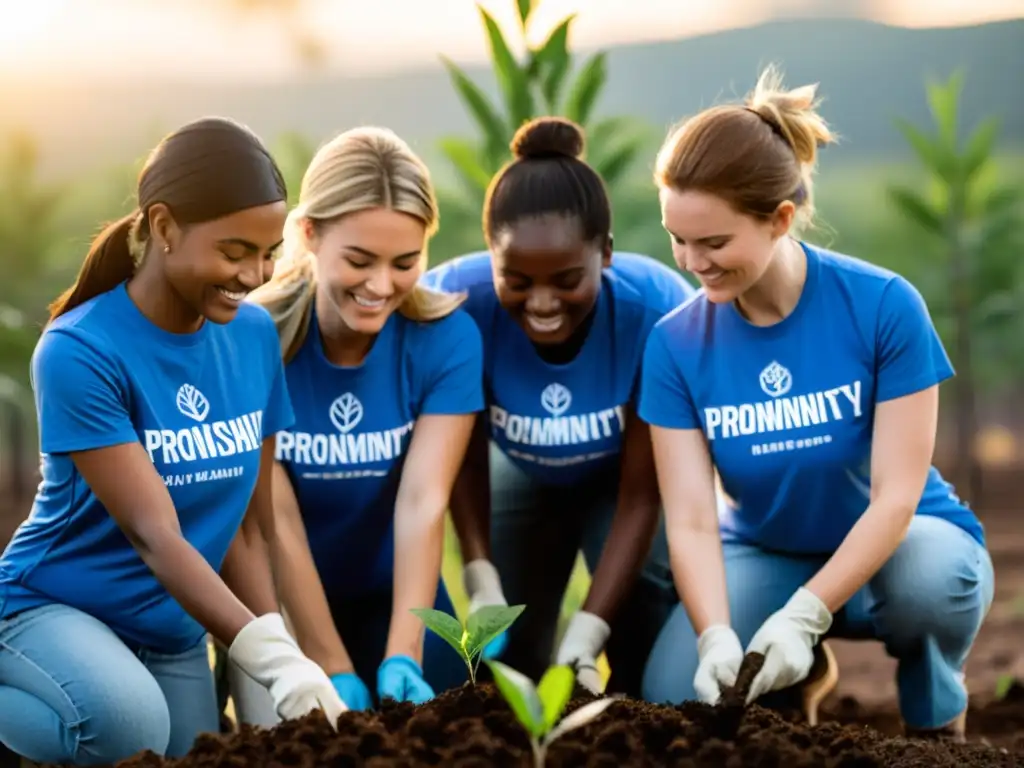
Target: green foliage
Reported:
[(293, 153), (538, 708), (539, 84), (469, 641)]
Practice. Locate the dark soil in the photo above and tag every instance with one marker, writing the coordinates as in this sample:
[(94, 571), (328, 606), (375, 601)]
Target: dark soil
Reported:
[(474, 728)]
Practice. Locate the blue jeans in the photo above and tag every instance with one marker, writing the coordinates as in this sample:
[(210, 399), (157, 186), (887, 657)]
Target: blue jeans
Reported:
[(72, 692), (363, 623), (537, 532), (926, 604)]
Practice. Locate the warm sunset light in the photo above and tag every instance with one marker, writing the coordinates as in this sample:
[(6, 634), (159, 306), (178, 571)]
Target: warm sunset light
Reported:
[(23, 25)]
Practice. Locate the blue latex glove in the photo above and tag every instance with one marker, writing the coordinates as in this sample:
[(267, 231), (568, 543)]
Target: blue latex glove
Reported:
[(352, 690), (496, 647), (401, 678)]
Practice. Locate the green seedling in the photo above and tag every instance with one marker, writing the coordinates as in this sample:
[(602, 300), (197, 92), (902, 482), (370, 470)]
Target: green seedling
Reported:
[(469, 640), (538, 708)]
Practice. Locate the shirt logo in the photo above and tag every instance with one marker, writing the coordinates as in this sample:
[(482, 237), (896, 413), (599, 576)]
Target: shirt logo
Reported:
[(556, 399), (775, 379), (346, 412), (192, 403)]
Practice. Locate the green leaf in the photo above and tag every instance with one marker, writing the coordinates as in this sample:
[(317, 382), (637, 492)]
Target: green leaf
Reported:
[(525, 8), (612, 165), (939, 161), (511, 79), (444, 626), (487, 622), (466, 159), (491, 124), (944, 100), (979, 147), (521, 696), (579, 717), (917, 208), (555, 690), (553, 61), (583, 96)]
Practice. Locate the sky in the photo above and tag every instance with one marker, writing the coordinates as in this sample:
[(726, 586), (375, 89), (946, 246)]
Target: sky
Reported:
[(190, 39)]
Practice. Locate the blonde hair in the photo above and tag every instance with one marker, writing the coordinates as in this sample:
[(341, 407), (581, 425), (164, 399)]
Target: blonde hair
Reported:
[(755, 155), (360, 169)]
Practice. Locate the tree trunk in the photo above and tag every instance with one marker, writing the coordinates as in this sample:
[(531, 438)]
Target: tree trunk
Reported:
[(968, 470)]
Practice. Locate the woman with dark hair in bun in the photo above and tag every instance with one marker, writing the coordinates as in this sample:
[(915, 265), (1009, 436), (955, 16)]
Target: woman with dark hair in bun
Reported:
[(560, 462), (159, 393)]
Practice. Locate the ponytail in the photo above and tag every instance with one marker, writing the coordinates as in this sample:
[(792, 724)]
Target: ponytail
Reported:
[(108, 264)]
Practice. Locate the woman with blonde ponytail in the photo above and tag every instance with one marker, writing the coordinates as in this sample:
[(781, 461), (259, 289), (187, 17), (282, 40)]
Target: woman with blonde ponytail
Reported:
[(809, 379), (385, 377)]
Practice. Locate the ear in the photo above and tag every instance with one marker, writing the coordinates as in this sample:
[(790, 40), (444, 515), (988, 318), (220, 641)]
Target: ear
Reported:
[(782, 219), (163, 229), (606, 252), (309, 234)]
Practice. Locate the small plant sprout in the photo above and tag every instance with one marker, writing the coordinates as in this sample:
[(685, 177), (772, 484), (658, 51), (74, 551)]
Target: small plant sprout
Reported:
[(538, 708), (469, 641)]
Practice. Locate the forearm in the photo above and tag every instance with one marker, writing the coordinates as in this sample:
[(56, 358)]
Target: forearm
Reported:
[(866, 548), (197, 587), (698, 568), (419, 545), (304, 600), (246, 570), (626, 547)]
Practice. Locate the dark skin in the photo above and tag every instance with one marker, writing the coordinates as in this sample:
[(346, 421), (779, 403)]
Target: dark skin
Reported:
[(544, 266), (178, 292)]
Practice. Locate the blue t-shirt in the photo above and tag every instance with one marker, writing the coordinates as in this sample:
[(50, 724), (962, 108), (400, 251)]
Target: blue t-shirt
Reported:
[(352, 430), (788, 410), (562, 423), (200, 404)]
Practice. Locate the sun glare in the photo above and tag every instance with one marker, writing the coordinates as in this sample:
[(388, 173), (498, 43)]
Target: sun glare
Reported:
[(23, 24)]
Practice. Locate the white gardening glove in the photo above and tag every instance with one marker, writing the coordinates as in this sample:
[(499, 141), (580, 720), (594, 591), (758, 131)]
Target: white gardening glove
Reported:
[(787, 639), (719, 655), (581, 644), (483, 585), (266, 652)]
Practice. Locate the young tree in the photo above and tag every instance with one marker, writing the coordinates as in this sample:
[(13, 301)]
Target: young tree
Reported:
[(977, 221)]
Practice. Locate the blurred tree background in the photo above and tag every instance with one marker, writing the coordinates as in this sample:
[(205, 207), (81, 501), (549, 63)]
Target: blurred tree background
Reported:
[(946, 214)]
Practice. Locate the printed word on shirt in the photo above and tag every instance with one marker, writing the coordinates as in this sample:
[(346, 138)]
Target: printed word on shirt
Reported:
[(783, 412)]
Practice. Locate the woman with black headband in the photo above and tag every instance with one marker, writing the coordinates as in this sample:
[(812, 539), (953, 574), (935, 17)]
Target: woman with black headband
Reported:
[(159, 393)]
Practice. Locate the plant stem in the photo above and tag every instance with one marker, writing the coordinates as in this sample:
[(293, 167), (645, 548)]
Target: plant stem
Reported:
[(539, 752)]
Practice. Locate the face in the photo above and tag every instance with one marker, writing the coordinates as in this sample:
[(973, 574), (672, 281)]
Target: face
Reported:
[(214, 265), (368, 262), (547, 277), (726, 251)]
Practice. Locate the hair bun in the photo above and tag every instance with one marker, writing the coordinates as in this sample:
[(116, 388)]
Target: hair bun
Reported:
[(548, 137)]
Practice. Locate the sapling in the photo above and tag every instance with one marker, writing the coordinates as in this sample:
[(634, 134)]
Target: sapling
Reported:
[(469, 640), (538, 708)]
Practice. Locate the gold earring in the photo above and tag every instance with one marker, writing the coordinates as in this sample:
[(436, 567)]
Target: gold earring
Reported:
[(167, 249)]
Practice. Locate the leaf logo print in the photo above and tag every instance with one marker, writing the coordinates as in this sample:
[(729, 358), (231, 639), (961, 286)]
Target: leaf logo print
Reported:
[(556, 399), (346, 413), (775, 379), (192, 402)]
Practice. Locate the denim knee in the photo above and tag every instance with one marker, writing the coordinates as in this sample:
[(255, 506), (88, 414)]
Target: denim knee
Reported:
[(938, 584)]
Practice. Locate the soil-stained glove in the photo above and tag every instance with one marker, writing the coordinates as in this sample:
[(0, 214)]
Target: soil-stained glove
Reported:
[(268, 654), (401, 678), (720, 655), (483, 586), (581, 644), (787, 640), (352, 690)]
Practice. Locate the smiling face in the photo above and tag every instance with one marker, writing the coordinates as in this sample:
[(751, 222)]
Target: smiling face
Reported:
[(546, 276), (728, 252), (368, 262), (214, 265)]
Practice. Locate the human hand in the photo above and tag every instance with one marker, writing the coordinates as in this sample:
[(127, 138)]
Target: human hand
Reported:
[(581, 644), (720, 655), (787, 639), (352, 690), (265, 651), (401, 678), (483, 586)]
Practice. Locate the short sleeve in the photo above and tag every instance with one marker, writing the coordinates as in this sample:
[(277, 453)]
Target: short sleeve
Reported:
[(279, 414), (440, 278), (455, 383), (664, 397), (909, 353), (81, 396)]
